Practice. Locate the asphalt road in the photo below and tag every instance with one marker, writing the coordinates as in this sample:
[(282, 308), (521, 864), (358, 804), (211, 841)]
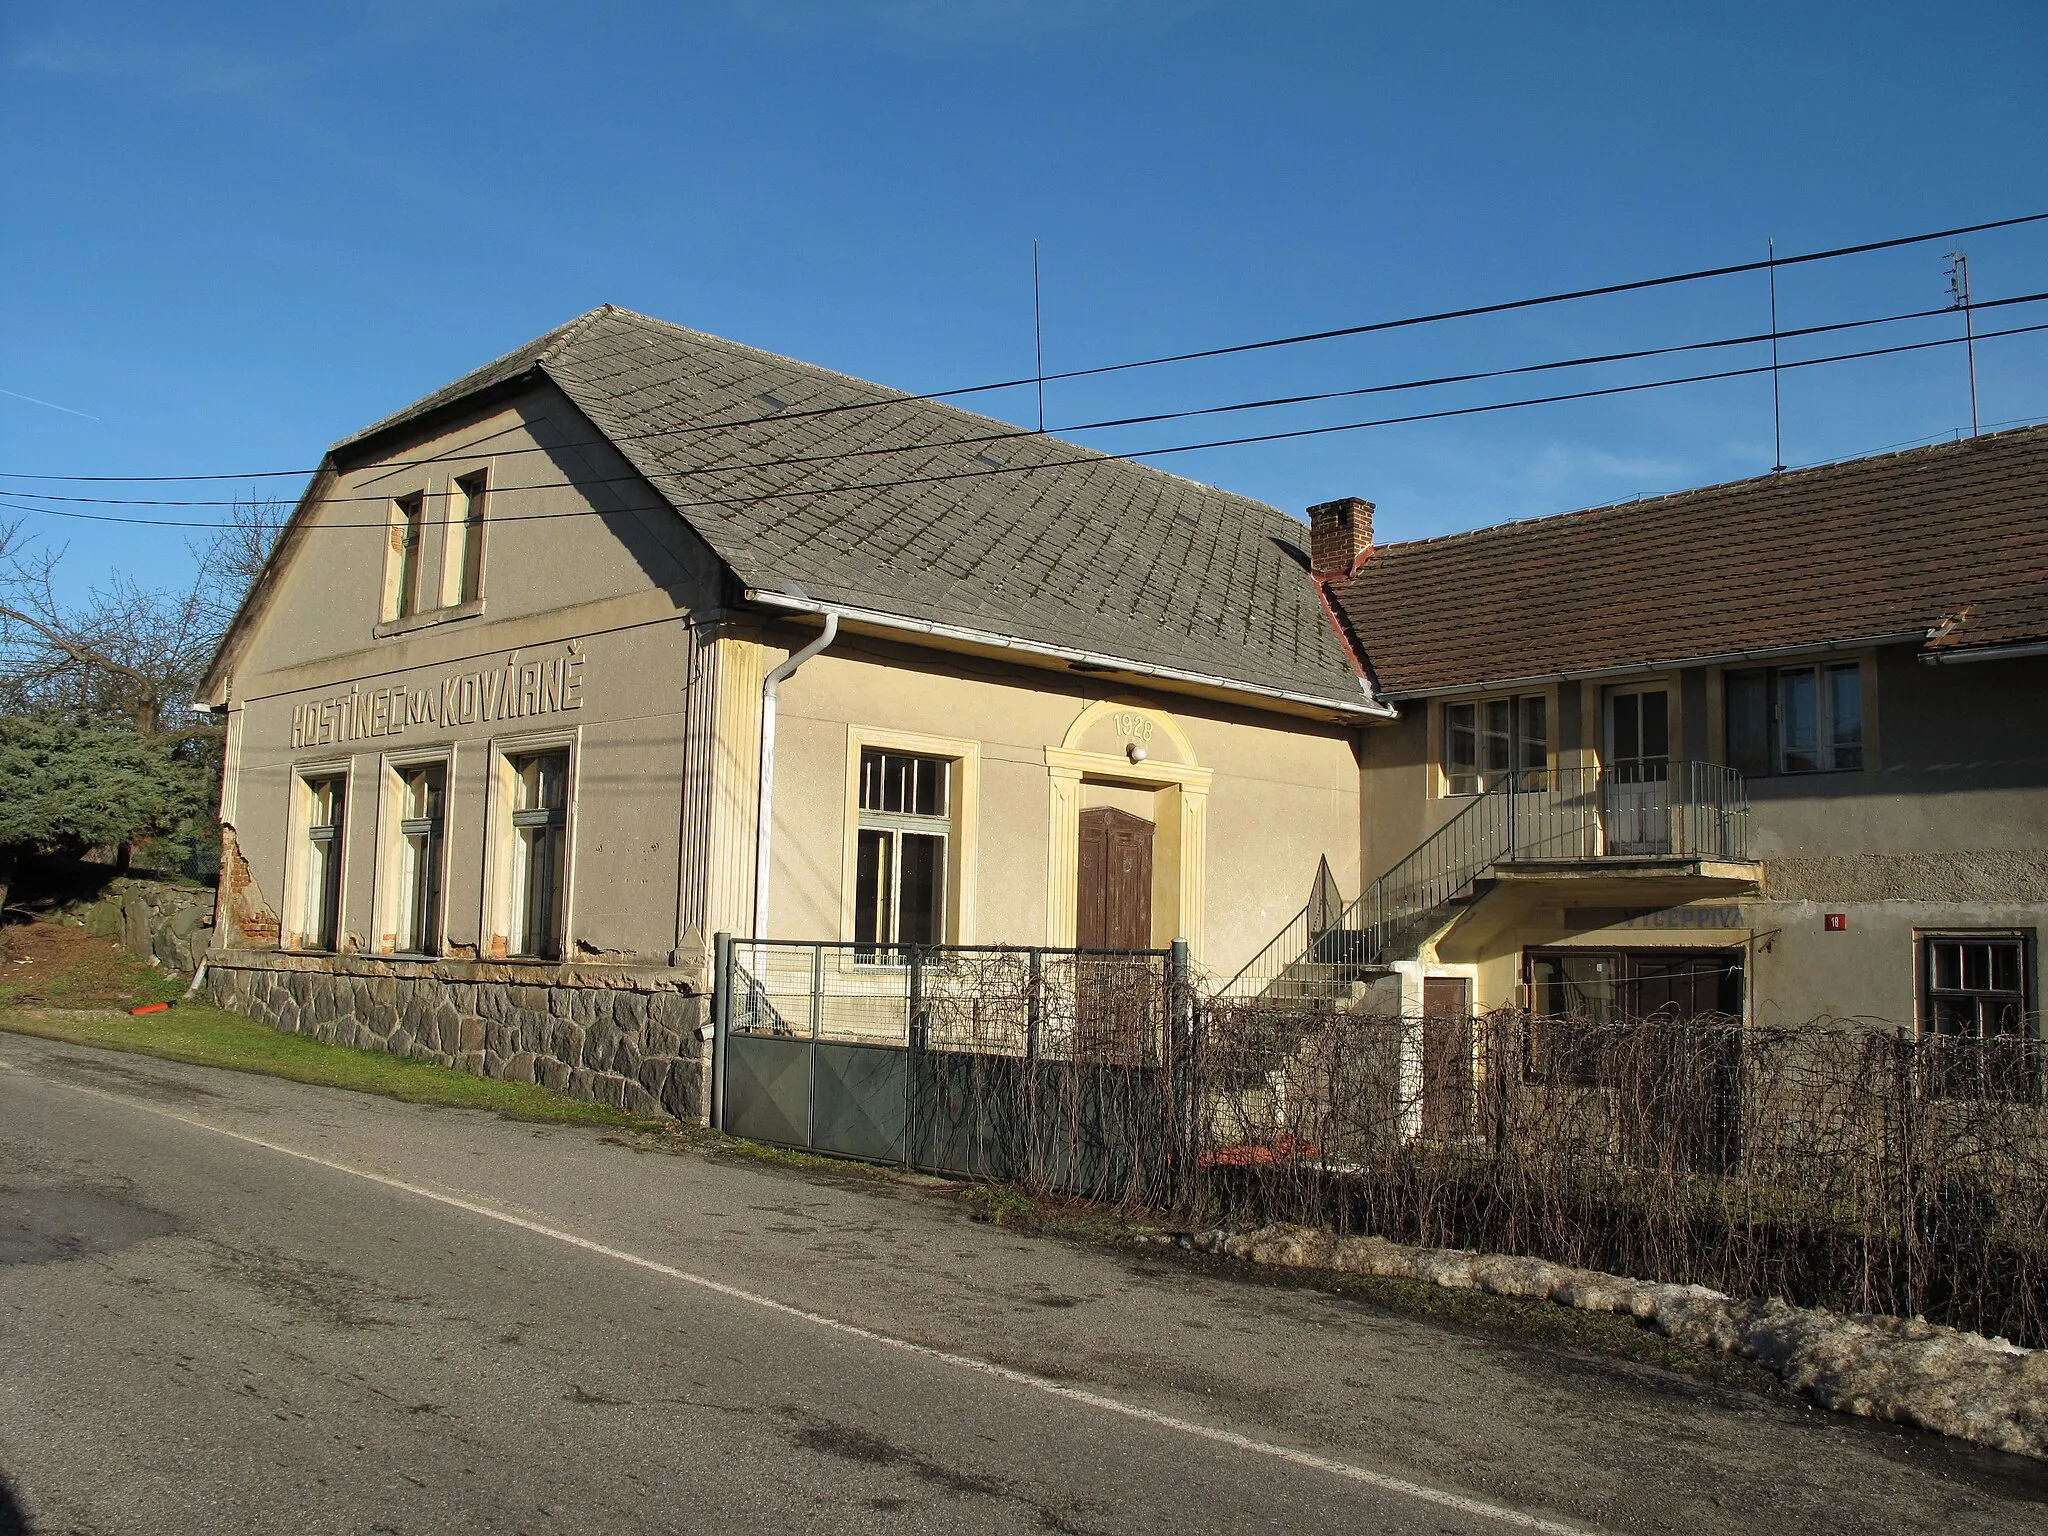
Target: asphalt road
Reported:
[(229, 1303)]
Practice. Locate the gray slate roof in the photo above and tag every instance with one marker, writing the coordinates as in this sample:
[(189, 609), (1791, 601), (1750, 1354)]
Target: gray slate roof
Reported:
[(1086, 552)]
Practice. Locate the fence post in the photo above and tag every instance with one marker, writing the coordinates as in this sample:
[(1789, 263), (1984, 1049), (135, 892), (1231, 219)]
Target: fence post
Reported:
[(1034, 1003), (721, 1022), (1909, 1214), (1180, 1032), (913, 1062)]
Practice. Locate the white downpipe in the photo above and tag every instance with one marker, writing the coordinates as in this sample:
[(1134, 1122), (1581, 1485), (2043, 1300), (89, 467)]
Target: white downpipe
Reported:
[(764, 811)]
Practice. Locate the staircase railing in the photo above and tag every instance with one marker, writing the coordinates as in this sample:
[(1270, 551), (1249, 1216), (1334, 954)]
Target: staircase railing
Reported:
[(1686, 810)]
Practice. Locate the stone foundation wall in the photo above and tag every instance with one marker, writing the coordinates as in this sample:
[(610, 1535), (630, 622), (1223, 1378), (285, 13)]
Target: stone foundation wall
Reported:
[(626, 1038)]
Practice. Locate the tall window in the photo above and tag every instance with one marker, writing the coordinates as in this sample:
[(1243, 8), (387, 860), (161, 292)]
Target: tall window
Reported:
[(470, 493), (1487, 741), (1795, 719), (422, 795), (540, 850), (407, 533), (320, 925), (900, 862), (1973, 1016)]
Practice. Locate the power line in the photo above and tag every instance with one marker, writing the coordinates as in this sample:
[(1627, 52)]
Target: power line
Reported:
[(1093, 459), (1018, 434), (1369, 328)]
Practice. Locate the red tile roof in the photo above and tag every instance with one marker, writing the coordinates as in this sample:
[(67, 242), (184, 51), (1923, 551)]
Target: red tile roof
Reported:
[(1902, 544)]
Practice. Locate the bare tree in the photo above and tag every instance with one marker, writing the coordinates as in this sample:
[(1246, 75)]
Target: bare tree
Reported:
[(123, 650), (235, 556)]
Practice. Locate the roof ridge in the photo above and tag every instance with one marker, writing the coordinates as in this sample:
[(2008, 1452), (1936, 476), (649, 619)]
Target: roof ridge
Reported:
[(1769, 477)]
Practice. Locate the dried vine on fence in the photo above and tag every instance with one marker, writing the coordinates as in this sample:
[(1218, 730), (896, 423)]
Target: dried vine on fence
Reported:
[(1832, 1164)]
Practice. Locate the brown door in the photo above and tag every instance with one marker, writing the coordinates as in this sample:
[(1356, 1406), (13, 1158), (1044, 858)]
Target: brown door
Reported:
[(1114, 905), (1113, 1015), (1446, 1057)]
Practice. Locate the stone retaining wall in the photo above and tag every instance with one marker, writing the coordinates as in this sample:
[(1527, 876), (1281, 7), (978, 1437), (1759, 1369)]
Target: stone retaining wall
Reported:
[(153, 920), (624, 1037)]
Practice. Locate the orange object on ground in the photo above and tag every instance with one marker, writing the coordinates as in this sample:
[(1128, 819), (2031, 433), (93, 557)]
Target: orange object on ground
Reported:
[(150, 1008)]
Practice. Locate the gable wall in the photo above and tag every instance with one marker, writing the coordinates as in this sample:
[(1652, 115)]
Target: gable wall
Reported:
[(616, 600)]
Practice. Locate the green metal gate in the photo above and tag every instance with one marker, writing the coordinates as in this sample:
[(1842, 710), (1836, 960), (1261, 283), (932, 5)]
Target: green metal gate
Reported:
[(1067, 1070)]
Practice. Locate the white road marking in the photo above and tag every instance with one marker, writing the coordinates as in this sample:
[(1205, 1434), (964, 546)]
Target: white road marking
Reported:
[(1500, 1513)]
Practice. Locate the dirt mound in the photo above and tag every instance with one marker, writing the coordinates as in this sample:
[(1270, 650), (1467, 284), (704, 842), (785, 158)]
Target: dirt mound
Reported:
[(57, 965)]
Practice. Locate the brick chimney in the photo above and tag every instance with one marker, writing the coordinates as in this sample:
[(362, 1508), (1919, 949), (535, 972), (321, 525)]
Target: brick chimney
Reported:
[(1339, 535)]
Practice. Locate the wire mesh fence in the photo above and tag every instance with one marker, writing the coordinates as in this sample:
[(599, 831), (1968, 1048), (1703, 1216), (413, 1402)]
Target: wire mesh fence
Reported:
[(1062, 1069), (1832, 1164)]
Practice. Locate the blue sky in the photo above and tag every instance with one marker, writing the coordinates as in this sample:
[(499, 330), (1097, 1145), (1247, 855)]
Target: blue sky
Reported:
[(234, 233)]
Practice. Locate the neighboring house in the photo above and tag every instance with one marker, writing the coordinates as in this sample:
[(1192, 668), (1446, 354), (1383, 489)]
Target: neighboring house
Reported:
[(498, 712), (1777, 748), (495, 708)]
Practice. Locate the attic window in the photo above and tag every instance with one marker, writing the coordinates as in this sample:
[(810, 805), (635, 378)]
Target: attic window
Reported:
[(989, 459), (1181, 514), (768, 398)]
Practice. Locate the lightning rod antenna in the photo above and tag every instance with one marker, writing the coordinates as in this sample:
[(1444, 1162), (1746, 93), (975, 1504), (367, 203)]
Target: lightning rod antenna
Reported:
[(1777, 411), (1959, 286)]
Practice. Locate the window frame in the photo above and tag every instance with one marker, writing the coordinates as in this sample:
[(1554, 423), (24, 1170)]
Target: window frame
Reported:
[(462, 563), (1827, 751), (1580, 1070), (391, 903), (447, 563), (1517, 740), (956, 924), (1965, 1069), (300, 936), (897, 827), (406, 556), (502, 937)]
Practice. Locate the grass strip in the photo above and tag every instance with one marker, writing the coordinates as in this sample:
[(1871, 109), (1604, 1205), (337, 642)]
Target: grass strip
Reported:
[(206, 1036)]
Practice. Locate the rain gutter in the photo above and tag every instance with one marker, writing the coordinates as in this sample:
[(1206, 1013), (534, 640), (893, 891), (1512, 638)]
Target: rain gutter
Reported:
[(1369, 708)]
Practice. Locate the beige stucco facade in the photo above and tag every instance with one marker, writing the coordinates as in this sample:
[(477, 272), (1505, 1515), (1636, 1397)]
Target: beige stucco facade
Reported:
[(606, 631), (1942, 831), (1243, 806)]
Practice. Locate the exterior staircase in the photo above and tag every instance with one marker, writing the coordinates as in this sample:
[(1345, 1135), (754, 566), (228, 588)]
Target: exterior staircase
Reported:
[(1329, 950)]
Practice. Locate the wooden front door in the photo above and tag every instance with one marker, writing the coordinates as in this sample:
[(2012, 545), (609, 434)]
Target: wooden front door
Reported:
[(1446, 1057), (1113, 908)]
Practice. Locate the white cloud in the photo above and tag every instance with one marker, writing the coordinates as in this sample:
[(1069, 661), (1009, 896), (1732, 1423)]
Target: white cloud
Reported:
[(1561, 465), (190, 68)]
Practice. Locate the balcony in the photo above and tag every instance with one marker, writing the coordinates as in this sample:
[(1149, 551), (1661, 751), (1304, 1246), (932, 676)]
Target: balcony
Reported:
[(1652, 833), (1634, 812)]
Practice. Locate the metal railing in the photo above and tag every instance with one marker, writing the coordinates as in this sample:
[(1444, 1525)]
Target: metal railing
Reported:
[(1646, 811), (1066, 1004)]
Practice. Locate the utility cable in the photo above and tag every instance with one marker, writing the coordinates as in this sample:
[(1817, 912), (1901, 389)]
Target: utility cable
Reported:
[(1017, 434), (792, 492), (1371, 327)]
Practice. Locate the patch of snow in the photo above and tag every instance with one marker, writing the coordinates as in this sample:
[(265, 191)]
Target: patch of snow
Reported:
[(1907, 1370)]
